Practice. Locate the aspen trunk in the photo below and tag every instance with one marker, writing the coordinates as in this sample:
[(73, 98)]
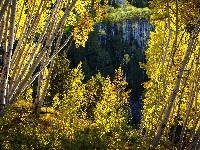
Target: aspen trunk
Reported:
[(2, 24), (4, 83), (172, 97), (3, 74), (12, 84), (193, 95), (3, 10), (32, 78), (20, 64), (31, 58), (40, 100)]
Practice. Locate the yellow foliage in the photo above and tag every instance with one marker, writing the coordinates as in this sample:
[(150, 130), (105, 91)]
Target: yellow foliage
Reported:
[(33, 15), (166, 50)]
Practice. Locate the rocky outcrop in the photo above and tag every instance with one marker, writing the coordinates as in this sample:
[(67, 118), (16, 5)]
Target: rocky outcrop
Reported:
[(135, 31), (122, 2)]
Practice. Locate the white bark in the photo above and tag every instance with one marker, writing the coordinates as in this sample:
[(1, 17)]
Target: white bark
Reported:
[(2, 24), (8, 53), (20, 79), (3, 76), (32, 78), (5, 5), (39, 57), (31, 58), (193, 95), (39, 102), (24, 36), (172, 97)]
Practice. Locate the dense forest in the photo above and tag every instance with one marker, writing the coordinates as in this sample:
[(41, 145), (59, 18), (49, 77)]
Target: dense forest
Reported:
[(100, 74)]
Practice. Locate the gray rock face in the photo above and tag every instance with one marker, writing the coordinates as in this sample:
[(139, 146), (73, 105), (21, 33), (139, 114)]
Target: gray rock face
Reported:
[(134, 31), (122, 2)]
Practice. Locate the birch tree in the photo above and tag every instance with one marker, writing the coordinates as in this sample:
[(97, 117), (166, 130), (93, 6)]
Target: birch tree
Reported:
[(28, 30), (172, 93)]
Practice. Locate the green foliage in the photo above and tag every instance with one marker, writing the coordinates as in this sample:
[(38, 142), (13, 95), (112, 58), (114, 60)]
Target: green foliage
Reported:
[(127, 12)]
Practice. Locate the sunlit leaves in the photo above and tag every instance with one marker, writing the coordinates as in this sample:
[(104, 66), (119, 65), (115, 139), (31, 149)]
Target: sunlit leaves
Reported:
[(80, 18), (36, 26), (126, 12), (166, 50), (81, 31)]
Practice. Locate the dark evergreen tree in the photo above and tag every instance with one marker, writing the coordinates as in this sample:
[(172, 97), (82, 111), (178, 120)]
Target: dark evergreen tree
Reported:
[(105, 51)]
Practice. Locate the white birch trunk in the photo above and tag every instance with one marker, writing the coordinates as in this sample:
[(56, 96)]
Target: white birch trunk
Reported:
[(12, 84)]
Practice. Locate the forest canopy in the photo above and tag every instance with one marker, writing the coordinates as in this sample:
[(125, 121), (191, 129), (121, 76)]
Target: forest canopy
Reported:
[(46, 104)]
